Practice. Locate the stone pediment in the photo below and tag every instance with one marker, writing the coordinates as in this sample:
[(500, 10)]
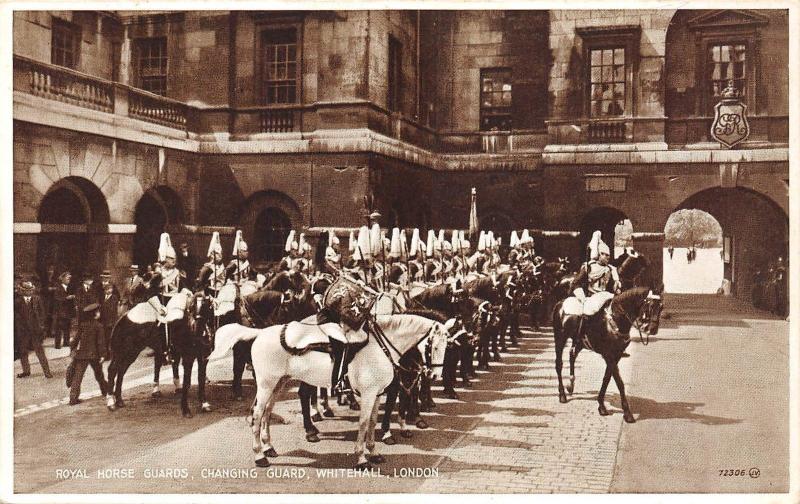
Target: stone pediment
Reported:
[(728, 18)]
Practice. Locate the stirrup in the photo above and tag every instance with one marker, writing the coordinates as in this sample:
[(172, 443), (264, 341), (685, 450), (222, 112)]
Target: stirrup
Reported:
[(342, 387)]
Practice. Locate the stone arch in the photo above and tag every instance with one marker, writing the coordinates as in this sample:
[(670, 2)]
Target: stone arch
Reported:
[(159, 207), (603, 219), (499, 221), (755, 225), (72, 213), (265, 219)]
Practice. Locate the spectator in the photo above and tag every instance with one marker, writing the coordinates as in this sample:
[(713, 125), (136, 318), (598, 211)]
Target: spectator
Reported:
[(87, 350), (187, 263), (128, 299), (85, 296), (29, 320), (109, 309), (64, 309)]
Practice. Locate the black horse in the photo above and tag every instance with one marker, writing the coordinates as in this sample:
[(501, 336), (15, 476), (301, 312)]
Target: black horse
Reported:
[(607, 333), (129, 338)]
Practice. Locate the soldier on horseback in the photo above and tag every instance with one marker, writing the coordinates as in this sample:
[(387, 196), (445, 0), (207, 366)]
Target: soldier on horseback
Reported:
[(333, 258), (239, 270), (172, 282), (597, 281), (212, 275)]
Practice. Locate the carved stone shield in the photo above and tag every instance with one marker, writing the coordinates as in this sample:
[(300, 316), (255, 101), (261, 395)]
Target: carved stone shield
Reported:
[(730, 122)]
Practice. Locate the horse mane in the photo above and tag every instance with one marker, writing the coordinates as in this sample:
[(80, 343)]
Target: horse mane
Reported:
[(436, 290), (625, 300), (398, 320), (435, 315)]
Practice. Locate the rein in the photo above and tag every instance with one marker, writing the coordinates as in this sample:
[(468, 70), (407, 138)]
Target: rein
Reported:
[(385, 344)]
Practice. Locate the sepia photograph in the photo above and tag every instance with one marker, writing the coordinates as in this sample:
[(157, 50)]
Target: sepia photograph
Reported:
[(450, 249)]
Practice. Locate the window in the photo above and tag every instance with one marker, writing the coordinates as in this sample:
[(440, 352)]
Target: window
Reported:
[(394, 84), (152, 64), (65, 44), (607, 82), (727, 62), (279, 65), (116, 54), (495, 99)]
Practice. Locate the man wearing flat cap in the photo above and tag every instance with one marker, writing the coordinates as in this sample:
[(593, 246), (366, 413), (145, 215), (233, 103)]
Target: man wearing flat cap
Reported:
[(129, 289), (29, 321), (88, 348)]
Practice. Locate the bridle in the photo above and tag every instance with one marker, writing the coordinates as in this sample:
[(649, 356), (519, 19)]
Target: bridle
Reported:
[(645, 311)]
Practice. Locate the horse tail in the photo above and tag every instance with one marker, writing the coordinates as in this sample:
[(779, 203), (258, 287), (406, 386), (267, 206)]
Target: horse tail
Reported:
[(228, 335)]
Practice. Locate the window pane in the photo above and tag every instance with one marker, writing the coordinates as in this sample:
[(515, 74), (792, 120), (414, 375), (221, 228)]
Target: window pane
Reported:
[(597, 58), (495, 99), (619, 91), (619, 56), (596, 74), (608, 56), (619, 73)]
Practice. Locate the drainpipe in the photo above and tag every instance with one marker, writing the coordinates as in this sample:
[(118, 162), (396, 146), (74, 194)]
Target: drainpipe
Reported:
[(419, 78)]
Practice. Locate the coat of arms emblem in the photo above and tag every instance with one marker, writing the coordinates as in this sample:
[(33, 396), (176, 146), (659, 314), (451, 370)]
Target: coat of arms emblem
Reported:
[(730, 122)]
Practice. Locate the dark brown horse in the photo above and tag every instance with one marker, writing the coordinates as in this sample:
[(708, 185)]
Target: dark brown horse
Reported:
[(607, 333)]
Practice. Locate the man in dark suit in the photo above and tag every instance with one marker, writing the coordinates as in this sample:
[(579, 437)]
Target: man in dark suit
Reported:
[(86, 295), (130, 287), (109, 307), (187, 263), (49, 284), (87, 350), (29, 320), (64, 309)]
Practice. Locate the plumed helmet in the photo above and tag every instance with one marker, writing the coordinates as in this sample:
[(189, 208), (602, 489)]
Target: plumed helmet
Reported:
[(514, 241), (394, 249), (526, 237), (239, 245), (375, 239), (165, 249), (363, 249), (440, 240), (490, 243), (482, 242), (456, 245), (302, 244), (415, 242), (290, 243), (332, 238), (594, 245), (465, 246), (446, 245), (431, 245), (214, 246), (403, 244), (351, 246)]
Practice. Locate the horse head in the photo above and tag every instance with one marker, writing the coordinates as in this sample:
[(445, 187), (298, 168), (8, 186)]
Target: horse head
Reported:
[(439, 336), (650, 317)]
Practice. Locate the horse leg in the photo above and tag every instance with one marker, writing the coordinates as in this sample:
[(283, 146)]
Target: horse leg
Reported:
[(202, 366), (562, 396), (314, 395), (368, 401), (264, 394), (327, 412), (266, 437), (304, 392), (573, 355), (238, 369), (187, 384), (388, 407), (373, 456), (112, 373), (176, 382), (626, 409), (157, 363), (121, 370), (601, 396)]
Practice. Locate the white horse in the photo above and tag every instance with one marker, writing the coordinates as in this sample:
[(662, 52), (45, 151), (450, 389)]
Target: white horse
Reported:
[(277, 357)]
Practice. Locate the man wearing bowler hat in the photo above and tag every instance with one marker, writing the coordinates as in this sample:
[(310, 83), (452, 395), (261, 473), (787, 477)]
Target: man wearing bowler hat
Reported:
[(129, 288), (64, 309), (85, 295), (29, 320), (88, 348)]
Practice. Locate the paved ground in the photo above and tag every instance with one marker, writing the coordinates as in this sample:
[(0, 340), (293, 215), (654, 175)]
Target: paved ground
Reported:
[(508, 434)]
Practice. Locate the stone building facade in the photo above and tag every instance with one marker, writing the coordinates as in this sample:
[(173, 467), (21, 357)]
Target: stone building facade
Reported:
[(127, 123)]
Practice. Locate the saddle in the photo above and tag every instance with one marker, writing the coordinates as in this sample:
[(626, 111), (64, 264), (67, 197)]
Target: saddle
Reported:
[(573, 306), (144, 312)]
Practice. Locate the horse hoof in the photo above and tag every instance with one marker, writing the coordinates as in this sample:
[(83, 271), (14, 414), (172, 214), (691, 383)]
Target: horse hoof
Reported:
[(389, 440), (271, 453), (406, 433), (425, 408), (355, 406), (316, 417), (262, 462), (120, 403), (312, 437), (629, 418), (206, 408), (187, 414), (156, 393), (111, 407), (376, 459), (603, 411), (364, 466), (562, 398), (328, 413), (422, 424)]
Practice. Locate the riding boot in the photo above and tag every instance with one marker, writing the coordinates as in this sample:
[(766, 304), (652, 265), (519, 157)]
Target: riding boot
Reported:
[(338, 350), (581, 328)]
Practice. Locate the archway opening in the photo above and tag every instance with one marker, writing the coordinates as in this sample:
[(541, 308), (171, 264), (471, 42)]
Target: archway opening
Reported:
[(157, 208), (271, 227), (755, 234), (69, 213), (694, 258), (610, 222)]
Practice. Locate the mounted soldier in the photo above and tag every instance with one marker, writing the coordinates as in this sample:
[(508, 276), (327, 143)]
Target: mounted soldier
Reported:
[(306, 263), (333, 258), (416, 261), (597, 281), (212, 275), (239, 270), (172, 282), (292, 253)]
